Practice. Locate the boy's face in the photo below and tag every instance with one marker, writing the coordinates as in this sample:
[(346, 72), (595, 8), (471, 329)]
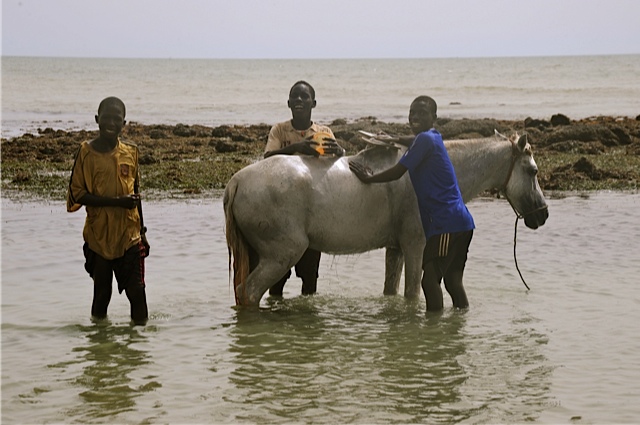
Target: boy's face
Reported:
[(110, 120), (300, 101), (421, 117)]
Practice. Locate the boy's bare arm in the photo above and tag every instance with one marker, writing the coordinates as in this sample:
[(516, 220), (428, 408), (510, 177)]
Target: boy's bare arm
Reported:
[(366, 175)]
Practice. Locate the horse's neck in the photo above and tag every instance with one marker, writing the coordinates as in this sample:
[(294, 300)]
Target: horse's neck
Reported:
[(480, 164)]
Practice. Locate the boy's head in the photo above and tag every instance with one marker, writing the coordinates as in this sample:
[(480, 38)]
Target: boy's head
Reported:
[(302, 99), (110, 118), (422, 114), (303, 83), (112, 100)]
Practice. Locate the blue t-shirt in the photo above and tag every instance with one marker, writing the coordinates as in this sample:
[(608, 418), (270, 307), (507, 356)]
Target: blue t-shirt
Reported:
[(434, 181)]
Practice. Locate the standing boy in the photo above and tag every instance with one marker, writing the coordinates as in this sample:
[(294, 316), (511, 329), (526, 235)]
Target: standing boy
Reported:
[(294, 137), (447, 223), (105, 179)]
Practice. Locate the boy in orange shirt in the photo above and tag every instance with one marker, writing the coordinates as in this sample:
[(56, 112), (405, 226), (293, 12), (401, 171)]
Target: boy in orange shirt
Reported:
[(105, 179)]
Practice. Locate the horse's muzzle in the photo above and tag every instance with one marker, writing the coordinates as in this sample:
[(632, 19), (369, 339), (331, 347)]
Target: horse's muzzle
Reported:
[(536, 218)]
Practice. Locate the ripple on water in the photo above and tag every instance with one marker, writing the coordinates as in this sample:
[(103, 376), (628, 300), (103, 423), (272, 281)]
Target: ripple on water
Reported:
[(566, 348)]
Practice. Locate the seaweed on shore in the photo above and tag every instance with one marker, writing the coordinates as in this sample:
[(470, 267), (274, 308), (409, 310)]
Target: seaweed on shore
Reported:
[(600, 153)]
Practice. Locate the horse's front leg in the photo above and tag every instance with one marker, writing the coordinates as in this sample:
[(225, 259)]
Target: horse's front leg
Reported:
[(394, 261), (413, 273)]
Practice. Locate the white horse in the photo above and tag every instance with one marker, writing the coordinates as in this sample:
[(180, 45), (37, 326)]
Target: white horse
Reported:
[(278, 207)]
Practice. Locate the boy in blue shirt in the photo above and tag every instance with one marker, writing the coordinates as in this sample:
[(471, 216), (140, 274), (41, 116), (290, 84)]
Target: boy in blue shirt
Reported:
[(448, 225)]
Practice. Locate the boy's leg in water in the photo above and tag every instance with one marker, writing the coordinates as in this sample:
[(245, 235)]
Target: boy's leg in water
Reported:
[(277, 289), (431, 278), (307, 270), (455, 288), (454, 272), (130, 276), (138, 300), (102, 287)]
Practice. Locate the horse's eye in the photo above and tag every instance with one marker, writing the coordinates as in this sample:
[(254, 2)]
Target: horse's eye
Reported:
[(533, 171)]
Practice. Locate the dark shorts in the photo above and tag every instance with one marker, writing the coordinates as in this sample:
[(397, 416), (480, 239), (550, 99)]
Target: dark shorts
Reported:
[(448, 248), (128, 269)]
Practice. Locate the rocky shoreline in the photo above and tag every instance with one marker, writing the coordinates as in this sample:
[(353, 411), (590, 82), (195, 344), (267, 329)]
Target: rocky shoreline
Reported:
[(598, 153)]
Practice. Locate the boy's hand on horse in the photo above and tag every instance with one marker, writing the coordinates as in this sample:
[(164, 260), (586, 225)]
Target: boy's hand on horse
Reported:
[(360, 170)]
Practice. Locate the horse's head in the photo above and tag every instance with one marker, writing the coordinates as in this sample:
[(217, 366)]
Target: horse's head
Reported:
[(521, 187)]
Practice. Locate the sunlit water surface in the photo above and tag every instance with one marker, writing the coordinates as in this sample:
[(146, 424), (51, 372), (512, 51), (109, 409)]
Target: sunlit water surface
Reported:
[(564, 352)]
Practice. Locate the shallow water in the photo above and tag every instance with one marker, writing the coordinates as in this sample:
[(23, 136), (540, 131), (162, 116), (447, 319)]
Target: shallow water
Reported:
[(566, 351)]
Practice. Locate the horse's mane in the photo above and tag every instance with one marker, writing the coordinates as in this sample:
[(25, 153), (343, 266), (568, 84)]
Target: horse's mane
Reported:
[(478, 145), (381, 157), (459, 143)]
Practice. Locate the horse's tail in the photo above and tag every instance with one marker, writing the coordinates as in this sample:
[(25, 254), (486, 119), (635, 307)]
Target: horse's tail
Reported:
[(237, 245)]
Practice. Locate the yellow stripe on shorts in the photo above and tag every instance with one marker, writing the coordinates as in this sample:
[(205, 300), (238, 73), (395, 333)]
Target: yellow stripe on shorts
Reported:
[(443, 249)]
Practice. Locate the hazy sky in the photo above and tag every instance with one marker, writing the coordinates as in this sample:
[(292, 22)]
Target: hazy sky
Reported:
[(319, 28)]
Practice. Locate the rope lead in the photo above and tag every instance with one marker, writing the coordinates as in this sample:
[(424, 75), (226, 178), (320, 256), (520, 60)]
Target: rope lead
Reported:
[(515, 235)]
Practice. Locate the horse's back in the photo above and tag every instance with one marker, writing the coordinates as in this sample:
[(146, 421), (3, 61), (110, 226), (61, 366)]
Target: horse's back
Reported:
[(319, 197)]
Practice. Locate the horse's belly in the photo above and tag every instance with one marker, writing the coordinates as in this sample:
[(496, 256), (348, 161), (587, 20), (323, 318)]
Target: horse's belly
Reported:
[(341, 244), (347, 217), (351, 233)]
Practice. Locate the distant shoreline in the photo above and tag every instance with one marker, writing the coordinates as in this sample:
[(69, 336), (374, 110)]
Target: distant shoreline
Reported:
[(599, 153), (36, 127)]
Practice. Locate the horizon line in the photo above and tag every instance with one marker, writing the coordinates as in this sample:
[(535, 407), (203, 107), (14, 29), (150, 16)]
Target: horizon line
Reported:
[(318, 58)]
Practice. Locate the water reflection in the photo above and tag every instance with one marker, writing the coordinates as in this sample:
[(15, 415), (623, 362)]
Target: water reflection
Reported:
[(110, 359), (509, 377), (420, 367), (318, 359)]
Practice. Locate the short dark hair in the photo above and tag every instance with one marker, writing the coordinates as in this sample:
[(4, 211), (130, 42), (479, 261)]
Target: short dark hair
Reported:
[(431, 104), (112, 100), (302, 82)]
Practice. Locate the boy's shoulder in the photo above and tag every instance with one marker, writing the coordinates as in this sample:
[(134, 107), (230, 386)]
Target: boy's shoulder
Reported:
[(128, 147), (284, 126), (129, 144), (318, 128), (431, 135)]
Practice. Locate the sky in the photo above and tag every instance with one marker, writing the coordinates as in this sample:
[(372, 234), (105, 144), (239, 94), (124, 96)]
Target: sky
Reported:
[(319, 28)]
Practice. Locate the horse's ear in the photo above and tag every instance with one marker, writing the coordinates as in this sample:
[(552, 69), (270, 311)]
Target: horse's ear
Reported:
[(522, 142)]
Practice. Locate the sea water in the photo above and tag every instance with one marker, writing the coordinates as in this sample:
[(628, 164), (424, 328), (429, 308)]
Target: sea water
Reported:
[(564, 352), (63, 93)]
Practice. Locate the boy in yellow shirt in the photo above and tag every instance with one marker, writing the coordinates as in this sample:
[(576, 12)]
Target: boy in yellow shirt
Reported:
[(294, 137), (105, 179)]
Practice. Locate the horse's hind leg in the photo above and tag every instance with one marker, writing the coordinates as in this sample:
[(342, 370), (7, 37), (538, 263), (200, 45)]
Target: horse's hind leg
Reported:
[(306, 269), (260, 279), (412, 253), (277, 289), (394, 260)]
